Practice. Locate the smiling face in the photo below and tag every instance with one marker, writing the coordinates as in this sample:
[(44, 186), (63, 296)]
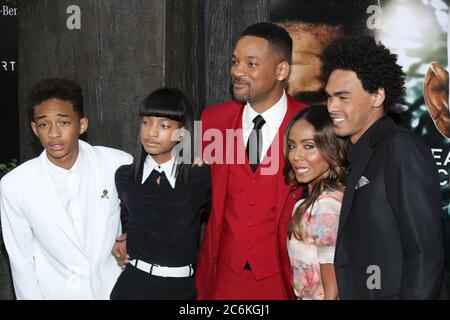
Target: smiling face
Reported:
[(257, 73), (353, 110), (307, 161), (159, 136), (58, 127)]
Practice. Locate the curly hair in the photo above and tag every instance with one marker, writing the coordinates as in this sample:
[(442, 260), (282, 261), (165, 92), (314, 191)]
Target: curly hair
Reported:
[(375, 66), (58, 88)]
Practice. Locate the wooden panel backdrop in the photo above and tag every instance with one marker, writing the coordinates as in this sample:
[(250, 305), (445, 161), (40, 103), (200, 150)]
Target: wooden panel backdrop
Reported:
[(225, 21), (123, 50), (126, 49)]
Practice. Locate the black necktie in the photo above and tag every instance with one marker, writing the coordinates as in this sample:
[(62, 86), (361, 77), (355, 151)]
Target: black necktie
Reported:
[(155, 175), (255, 143)]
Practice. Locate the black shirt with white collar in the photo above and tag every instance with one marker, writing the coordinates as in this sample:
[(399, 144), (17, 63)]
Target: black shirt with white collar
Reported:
[(161, 222)]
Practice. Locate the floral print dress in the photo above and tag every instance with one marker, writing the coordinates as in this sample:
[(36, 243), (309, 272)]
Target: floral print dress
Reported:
[(319, 226)]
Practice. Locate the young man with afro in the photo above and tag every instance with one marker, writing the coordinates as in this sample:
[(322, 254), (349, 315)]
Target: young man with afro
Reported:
[(390, 238)]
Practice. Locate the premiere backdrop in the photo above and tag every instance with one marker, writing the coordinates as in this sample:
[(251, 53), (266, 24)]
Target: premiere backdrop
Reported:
[(8, 81), (121, 50), (9, 130)]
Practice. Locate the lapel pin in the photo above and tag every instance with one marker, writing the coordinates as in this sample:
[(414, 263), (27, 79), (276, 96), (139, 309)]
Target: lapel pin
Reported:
[(105, 194)]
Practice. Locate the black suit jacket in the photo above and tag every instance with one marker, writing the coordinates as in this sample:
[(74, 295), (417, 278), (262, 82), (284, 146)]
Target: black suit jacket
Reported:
[(391, 221)]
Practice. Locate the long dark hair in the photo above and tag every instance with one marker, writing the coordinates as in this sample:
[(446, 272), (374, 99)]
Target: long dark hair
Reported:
[(172, 104), (332, 148)]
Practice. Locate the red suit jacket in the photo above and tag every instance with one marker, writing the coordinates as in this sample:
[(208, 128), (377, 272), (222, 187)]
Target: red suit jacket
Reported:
[(221, 117)]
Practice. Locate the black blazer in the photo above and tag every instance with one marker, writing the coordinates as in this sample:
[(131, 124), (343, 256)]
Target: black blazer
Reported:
[(391, 219)]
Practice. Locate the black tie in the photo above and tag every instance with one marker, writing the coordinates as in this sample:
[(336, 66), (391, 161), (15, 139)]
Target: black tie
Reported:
[(156, 177), (255, 143)]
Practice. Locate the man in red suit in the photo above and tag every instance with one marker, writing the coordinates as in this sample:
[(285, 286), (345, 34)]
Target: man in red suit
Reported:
[(243, 255)]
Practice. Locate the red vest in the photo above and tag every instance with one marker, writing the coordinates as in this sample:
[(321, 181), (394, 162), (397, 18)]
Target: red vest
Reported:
[(248, 232)]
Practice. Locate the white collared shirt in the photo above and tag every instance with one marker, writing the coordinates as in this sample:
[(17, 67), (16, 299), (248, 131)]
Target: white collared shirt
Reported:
[(273, 116), (74, 198), (167, 167)]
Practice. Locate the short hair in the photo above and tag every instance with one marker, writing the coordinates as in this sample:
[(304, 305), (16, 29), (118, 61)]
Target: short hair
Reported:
[(375, 66), (57, 88), (278, 38)]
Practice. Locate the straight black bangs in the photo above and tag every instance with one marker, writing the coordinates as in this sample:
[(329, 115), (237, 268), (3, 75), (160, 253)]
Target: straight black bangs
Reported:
[(164, 103)]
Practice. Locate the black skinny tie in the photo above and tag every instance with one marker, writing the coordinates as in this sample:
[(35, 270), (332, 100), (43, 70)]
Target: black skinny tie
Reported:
[(255, 143)]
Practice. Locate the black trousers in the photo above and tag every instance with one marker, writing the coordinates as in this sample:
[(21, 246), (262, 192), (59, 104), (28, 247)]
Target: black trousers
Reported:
[(135, 284)]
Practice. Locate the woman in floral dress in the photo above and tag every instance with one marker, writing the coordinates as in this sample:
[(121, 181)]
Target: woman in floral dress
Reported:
[(316, 160)]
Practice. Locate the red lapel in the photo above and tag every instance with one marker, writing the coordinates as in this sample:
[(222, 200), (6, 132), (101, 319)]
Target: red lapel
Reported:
[(219, 172)]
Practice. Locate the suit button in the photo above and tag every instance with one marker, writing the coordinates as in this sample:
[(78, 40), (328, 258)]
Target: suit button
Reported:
[(247, 247), (250, 224), (253, 182), (251, 203)]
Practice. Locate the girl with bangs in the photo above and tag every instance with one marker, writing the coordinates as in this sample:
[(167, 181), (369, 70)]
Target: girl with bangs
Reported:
[(162, 196), (316, 160)]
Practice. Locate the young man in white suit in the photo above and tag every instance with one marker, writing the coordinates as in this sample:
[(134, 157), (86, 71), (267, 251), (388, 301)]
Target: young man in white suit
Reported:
[(60, 211)]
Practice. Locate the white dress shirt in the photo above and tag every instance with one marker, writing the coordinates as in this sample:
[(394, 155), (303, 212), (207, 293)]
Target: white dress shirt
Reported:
[(167, 167), (74, 198), (273, 116)]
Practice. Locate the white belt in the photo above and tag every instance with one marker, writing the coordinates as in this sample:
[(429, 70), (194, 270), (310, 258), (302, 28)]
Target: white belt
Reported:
[(160, 271)]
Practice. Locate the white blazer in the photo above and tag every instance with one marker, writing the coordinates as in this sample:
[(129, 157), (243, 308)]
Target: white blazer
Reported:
[(47, 259)]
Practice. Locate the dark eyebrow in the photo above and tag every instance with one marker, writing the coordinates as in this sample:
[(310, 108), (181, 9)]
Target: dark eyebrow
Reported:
[(289, 140), (248, 57), (301, 141), (62, 115), (339, 93)]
